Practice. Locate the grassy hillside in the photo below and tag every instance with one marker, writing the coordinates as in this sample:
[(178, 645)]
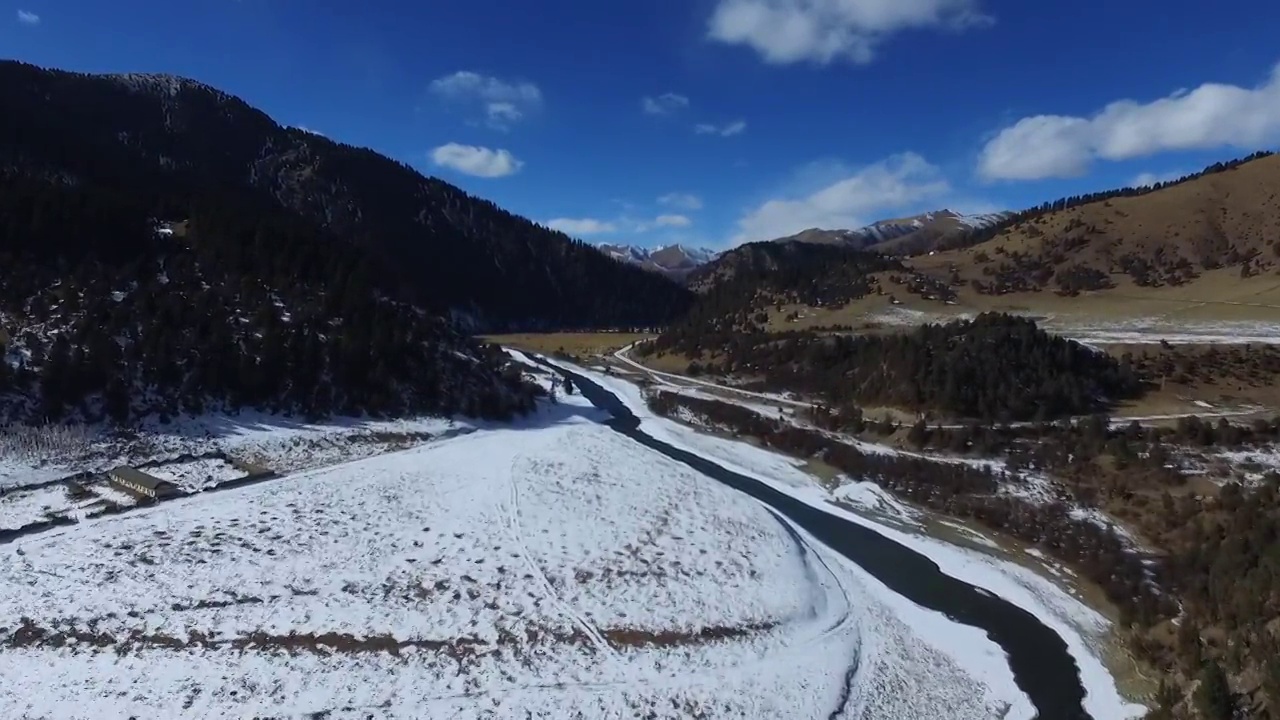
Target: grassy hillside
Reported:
[(1201, 236), (1205, 248)]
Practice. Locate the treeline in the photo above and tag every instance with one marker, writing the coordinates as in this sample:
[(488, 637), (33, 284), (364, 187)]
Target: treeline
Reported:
[(1085, 438), (995, 367), (244, 306)]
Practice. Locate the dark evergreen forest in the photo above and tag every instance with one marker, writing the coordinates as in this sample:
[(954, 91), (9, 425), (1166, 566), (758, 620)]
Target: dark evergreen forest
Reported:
[(293, 274), (168, 143), (995, 367), (243, 306)]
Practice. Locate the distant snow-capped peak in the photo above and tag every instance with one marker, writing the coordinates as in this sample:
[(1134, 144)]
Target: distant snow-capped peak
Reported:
[(934, 223), (672, 260)]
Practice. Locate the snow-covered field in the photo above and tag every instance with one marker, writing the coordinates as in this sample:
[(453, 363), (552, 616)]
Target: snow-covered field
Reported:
[(20, 508), (553, 569), (25, 506), (1250, 465), (280, 443), (1153, 330), (197, 475), (1135, 331), (1081, 627)]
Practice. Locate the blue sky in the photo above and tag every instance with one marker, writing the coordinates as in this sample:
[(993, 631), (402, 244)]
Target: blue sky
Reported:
[(713, 122)]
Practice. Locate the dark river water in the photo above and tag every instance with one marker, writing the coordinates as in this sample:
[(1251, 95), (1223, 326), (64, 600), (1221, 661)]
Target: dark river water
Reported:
[(1038, 656)]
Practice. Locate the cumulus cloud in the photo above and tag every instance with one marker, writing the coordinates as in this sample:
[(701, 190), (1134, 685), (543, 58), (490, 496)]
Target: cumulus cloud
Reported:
[(672, 221), (664, 104), (823, 31), (681, 201), (502, 103), (26, 17), (736, 127), (582, 226), (859, 198), (476, 161), (1210, 116)]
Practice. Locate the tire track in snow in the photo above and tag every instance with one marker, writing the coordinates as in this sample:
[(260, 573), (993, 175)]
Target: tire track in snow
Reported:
[(808, 551), (512, 516)]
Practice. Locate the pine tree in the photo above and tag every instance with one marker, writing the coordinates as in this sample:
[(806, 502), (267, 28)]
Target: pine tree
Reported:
[(1213, 695)]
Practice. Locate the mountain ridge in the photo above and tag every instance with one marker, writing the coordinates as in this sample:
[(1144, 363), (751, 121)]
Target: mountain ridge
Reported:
[(675, 261), (168, 137), (902, 236)]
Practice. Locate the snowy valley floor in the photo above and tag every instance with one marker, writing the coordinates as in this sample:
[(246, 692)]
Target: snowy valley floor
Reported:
[(1085, 630), (551, 569)]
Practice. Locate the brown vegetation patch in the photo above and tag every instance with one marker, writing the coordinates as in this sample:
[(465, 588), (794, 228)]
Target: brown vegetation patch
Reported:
[(62, 633), (640, 638), (1131, 242)]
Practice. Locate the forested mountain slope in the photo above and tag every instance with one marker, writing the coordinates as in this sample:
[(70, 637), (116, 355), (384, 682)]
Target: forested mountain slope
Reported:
[(166, 248), (101, 316), (171, 141), (738, 288)]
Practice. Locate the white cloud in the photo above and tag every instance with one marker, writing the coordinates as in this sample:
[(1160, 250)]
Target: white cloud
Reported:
[(664, 104), (681, 201), (1147, 178), (503, 103), (503, 113), (26, 17), (822, 31), (1211, 116), (624, 223), (855, 200), (737, 127), (308, 130), (477, 161), (582, 226), (672, 221)]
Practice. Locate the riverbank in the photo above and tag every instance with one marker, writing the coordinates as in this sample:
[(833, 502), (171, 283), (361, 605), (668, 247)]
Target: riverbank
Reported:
[(1136, 682), (1065, 615)]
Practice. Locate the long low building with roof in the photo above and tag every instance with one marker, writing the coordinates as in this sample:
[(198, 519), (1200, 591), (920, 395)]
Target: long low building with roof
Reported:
[(140, 483)]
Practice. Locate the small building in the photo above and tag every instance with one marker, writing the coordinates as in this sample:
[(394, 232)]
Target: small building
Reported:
[(140, 483)]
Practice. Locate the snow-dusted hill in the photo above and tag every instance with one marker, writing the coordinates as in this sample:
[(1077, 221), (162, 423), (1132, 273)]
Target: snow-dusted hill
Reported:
[(674, 261)]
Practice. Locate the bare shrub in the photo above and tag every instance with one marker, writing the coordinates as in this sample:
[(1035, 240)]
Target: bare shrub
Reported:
[(41, 443)]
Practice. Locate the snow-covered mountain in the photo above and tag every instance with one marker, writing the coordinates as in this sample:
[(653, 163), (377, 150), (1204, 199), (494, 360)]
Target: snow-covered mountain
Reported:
[(674, 261), (908, 235)]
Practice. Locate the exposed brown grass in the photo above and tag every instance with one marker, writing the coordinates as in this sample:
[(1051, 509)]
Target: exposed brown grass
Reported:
[(1225, 377), (1230, 218), (1225, 217), (596, 343), (1218, 296), (638, 638), (30, 634)]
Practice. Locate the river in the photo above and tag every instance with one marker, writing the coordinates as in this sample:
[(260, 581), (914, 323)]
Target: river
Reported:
[(1042, 667)]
